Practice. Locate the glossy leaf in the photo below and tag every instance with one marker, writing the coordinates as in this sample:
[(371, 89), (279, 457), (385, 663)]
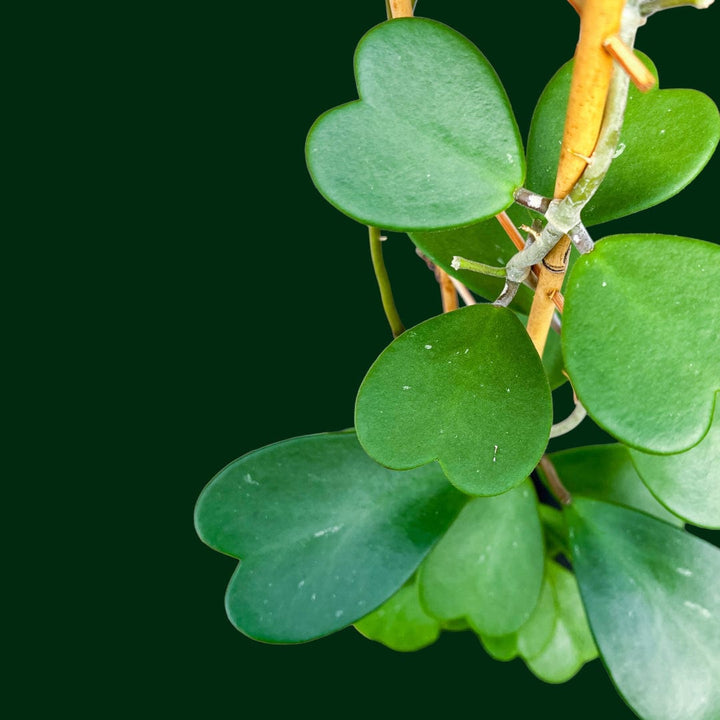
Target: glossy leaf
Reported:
[(502, 647), (668, 136), (687, 483), (484, 242), (606, 472), (652, 594), (535, 634), (325, 535), (465, 388), (488, 567), (571, 644), (432, 143), (641, 338), (401, 623)]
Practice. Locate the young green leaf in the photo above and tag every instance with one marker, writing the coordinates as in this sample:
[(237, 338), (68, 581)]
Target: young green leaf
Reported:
[(641, 338), (605, 472), (687, 483), (667, 138), (501, 647), (488, 567), (465, 388), (401, 623), (324, 534), (571, 644), (484, 242), (652, 595), (555, 642), (432, 143)]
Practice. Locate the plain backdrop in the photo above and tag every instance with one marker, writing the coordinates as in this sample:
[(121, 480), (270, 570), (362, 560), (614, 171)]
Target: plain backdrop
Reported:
[(180, 294)]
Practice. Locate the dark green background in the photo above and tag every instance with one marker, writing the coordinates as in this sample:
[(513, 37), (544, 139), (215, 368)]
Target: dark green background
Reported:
[(181, 295)]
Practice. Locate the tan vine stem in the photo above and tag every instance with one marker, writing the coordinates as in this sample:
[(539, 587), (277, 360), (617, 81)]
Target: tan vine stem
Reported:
[(599, 19), (400, 8)]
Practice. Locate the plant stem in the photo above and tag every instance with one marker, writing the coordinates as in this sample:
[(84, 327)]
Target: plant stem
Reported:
[(563, 427), (383, 281), (554, 483), (589, 88), (448, 293), (463, 292), (461, 263), (399, 8), (648, 7)]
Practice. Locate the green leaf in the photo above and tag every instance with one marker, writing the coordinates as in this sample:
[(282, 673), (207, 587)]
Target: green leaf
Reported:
[(488, 567), (687, 483), (641, 338), (535, 635), (465, 388), (325, 535), (571, 645), (502, 648), (605, 472), (555, 642), (484, 242), (668, 136), (401, 623), (431, 144), (652, 594)]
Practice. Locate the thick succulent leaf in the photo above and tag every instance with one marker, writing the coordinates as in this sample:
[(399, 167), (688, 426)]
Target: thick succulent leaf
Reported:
[(432, 143), (488, 567), (641, 338), (401, 623), (484, 242), (465, 388), (668, 136), (324, 534), (535, 635), (687, 483), (652, 595), (606, 472), (554, 528), (571, 644), (502, 647)]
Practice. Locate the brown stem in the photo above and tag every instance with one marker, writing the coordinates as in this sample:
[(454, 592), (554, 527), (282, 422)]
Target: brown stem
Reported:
[(554, 482), (447, 292), (588, 92)]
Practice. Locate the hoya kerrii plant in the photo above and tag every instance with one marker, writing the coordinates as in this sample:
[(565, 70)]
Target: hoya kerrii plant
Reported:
[(441, 510)]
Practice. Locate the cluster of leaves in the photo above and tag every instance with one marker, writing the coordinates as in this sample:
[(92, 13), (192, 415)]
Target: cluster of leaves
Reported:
[(423, 518)]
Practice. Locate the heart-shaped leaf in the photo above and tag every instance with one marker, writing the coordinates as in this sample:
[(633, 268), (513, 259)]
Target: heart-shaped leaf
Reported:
[(488, 567), (535, 634), (500, 647), (667, 138), (641, 338), (401, 622), (466, 388), (605, 472), (571, 644), (687, 483), (652, 595), (324, 534), (484, 242), (432, 143)]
